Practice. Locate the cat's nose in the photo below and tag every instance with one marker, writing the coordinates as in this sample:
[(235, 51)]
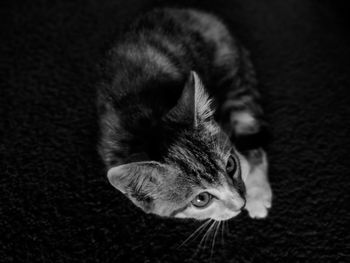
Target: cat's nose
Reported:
[(240, 204), (237, 204)]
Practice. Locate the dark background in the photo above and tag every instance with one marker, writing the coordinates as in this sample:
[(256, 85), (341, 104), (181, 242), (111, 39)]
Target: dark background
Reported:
[(56, 204)]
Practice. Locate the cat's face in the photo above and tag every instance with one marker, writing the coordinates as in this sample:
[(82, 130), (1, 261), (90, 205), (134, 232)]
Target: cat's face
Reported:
[(201, 176), (220, 194)]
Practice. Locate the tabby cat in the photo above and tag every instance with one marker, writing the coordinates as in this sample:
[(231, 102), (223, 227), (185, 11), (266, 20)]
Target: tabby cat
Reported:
[(177, 102)]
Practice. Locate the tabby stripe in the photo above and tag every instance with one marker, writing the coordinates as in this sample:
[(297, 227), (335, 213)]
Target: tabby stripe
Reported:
[(176, 61)]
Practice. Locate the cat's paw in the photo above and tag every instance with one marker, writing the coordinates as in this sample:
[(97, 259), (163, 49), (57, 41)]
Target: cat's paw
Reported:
[(244, 123), (259, 200)]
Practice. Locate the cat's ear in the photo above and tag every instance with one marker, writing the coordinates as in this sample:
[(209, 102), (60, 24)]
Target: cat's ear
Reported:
[(139, 181), (194, 102)]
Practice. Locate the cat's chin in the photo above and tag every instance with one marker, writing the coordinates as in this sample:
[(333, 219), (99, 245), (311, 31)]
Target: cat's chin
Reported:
[(227, 216), (224, 217)]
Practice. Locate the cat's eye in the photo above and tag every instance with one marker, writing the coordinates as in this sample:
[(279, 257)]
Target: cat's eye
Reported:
[(202, 200), (231, 165)]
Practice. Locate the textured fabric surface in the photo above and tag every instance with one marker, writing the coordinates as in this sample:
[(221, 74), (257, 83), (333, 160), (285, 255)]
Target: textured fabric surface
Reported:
[(55, 202)]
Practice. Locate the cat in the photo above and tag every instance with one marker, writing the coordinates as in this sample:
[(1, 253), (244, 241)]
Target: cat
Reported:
[(177, 100)]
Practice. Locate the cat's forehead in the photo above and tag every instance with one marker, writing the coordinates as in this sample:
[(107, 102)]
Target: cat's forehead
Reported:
[(198, 159)]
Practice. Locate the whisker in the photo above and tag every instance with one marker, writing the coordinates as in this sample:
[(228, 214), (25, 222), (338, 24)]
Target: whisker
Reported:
[(223, 232), (213, 243), (198, 230), (205, 234), (212, 227)]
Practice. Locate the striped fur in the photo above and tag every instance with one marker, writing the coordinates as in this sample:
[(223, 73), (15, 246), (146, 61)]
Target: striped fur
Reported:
[(178, 91)]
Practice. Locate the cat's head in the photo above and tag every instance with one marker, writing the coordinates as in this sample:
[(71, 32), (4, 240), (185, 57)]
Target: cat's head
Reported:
[(201, 175)]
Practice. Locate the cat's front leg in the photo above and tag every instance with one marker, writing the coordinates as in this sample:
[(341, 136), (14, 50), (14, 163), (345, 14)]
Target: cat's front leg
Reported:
[(258, 190)]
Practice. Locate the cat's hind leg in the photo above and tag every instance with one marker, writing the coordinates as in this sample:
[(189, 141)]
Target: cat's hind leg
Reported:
[(241, 112)]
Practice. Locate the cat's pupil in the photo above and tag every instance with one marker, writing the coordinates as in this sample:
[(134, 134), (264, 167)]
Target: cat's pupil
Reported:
[(230, 167), (201, 198)]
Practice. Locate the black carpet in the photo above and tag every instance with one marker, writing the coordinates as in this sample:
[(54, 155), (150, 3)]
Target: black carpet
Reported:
[(55, 202)]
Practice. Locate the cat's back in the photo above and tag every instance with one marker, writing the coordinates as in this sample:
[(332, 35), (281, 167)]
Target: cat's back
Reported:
[(161, 47)]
